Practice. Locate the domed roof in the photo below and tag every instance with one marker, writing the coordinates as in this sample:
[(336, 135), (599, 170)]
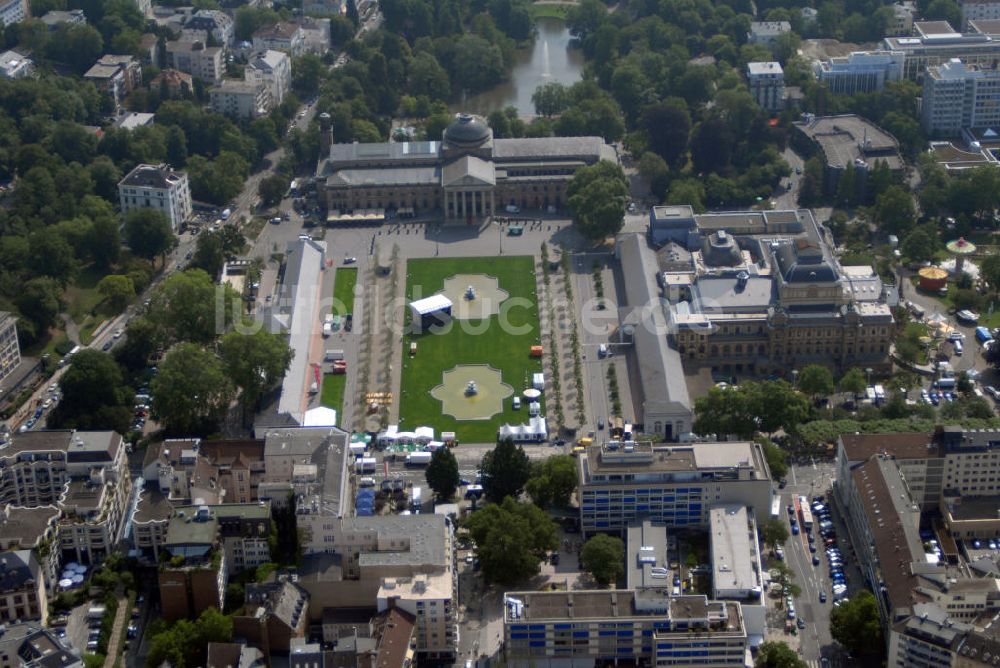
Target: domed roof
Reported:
[(720, 250), (467, 130)]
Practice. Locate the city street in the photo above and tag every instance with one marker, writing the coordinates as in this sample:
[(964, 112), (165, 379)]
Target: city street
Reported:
[(815, 641)]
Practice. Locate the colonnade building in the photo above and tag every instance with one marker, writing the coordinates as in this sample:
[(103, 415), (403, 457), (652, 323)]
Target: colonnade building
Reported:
[(468, 175)]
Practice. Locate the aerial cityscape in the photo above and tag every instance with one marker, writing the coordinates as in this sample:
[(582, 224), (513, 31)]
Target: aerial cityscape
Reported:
[(503, 333)]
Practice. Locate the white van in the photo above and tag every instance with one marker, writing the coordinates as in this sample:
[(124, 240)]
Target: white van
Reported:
[(958, 348), (602, 350), (516, 403)]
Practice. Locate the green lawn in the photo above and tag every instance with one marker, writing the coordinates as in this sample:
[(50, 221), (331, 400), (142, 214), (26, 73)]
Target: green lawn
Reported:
[(343, 290), (549, 11), (332, 394), (502, 350), (82, 297)]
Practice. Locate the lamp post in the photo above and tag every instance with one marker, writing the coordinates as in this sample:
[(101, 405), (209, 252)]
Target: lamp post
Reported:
[(795, 378), (868, 375)]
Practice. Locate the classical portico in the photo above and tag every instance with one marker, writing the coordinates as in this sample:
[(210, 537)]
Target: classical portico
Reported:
[(468, 185)]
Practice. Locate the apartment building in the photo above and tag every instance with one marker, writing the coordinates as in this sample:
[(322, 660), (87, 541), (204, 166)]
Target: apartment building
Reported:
[(402, 561), (644, 626), (243, 529), (957, 97), (315, 35), (194, 576), (947, 463), (157, 187), (197, 59), (35, 529), (901, 23), (979, 10), (10, 349), (82, 474), (240, 99), (767, 32), (22, 588), (676, 485), (276, 613), (213, 471), (116, 76), (56, 17), (177, 83), (29, 645), (272, 69), (312, 462), (767, 85), (14, 11), (15, 66), (282, 36), (860, 71), (212, 22)]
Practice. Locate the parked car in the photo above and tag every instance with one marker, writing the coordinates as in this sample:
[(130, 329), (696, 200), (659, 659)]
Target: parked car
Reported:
[(822, 597)]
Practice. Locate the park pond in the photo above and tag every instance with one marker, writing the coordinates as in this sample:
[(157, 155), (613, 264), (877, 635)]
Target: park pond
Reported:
[(551, 57)]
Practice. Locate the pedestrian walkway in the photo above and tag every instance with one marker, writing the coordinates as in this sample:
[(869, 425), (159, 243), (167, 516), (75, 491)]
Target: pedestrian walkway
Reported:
[(115, 641)]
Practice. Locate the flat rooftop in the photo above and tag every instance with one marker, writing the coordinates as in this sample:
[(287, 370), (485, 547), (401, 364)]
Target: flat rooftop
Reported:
[(977, 508), (693, 457), (646, 549), (733, 556), (567, 606)]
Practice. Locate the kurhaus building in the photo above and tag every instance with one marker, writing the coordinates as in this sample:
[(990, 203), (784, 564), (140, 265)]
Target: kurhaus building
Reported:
[(468, 175)]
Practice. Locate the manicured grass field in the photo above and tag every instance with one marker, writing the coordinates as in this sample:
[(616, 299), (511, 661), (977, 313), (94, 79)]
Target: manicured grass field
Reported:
[(332, 394), (343, 290), (483, 343)]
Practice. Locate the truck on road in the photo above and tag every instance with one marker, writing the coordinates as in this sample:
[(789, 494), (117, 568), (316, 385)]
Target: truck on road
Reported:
[(418, 458)]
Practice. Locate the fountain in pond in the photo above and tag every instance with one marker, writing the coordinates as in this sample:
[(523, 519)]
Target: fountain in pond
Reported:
[(546, 66), (471, 389)]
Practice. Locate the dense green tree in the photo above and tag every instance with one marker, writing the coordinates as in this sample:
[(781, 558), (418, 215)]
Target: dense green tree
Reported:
[(654, 169), (777, 461), (51, 255), (188, 306), (597, 195), (773, 532), (104, 242), (94, 395), (40, 301), (920, 244), (477, 64), (550, 99), (272, 189), (208, 254), (428, 77), (816, 380), (853, 381), (553, 481), (505, 469), (442, 474), (857, 626), (511, 540), (776, 654), (255, 362), (141, 341), (148, 233), (191, 391), (894, 211), (752, 406), (667, 126), (687, 191), (118, 291), (603, 556), (712, 145)]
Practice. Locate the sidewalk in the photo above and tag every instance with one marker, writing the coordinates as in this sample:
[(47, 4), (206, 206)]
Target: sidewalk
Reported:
[(115, 641)]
